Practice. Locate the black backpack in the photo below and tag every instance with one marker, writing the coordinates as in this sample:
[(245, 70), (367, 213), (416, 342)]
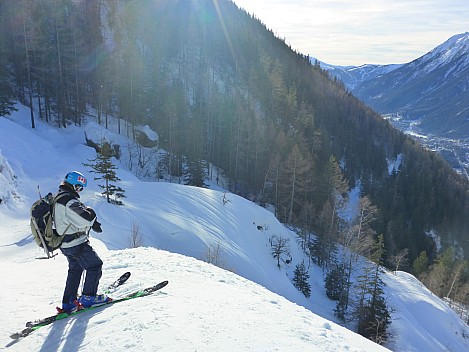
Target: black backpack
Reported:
[(42, 223)]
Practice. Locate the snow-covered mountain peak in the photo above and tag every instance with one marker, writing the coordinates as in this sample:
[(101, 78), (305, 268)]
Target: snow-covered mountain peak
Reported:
[(454, 50), (457, 43)]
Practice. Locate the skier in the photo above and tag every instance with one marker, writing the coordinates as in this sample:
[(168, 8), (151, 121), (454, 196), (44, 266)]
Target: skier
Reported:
[(74, 220)]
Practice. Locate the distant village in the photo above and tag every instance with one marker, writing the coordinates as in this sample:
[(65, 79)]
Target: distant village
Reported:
[(455, 151)]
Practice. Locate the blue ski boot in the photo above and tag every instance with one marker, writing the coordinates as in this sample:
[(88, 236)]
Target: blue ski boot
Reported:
[(89, 301), (69, 308)]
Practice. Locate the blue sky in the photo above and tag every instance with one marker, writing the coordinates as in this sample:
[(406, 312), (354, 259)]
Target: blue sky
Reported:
[(344, 32)]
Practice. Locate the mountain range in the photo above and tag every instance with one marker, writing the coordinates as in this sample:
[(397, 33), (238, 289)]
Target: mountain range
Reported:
[(432, 90)]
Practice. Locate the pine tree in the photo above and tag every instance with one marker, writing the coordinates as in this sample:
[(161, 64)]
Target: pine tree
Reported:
[(357, 236), (296, 181), (335, 281), (195, 174), (300, 280), (337, 193), (6, 91), (420, 264), (103, 166), (370, 310), (337, 286)]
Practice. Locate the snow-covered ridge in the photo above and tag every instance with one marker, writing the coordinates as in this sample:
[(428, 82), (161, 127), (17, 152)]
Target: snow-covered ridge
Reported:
[(454, 51), (455, 48), (352, 76)]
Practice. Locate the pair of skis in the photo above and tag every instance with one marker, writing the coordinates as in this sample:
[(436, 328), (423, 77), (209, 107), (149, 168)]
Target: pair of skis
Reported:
[(34, 325)]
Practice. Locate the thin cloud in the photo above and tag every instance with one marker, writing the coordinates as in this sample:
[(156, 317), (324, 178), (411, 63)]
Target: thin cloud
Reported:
[(342, 32)]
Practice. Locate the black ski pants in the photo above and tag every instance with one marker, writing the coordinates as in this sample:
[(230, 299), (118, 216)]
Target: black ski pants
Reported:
[(80, 258)]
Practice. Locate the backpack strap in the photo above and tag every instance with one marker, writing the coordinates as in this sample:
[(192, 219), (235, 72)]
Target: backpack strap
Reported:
[(61, 196), (41, 237)]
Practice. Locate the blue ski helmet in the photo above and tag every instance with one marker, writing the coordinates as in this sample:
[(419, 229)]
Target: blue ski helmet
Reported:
[(76, 179)]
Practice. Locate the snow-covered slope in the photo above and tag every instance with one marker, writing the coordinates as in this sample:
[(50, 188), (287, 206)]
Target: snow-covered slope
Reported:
[(203, 308), (250, 306)]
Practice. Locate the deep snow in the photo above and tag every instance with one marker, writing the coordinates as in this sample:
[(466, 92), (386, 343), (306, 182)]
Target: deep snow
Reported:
[(251, 306)]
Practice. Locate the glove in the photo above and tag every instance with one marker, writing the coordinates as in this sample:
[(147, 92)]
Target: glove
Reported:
[(97, 227), (91, 211)]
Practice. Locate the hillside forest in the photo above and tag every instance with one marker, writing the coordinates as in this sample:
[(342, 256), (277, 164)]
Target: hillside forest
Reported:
[(222, 90)]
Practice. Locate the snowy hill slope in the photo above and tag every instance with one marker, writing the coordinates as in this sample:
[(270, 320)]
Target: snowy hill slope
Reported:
[(204, 307)]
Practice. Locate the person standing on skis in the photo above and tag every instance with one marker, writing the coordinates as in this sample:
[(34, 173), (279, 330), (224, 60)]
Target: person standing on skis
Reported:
[(74, 220)]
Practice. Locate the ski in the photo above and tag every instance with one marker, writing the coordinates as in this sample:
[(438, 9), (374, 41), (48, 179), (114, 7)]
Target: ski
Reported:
[(120, 281), (34, 325)]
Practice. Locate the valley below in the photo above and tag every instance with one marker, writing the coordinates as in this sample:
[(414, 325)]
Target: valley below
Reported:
[(454, 151)]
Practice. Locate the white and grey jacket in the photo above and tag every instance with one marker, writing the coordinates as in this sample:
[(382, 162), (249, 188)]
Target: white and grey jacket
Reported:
[(71, 217)]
